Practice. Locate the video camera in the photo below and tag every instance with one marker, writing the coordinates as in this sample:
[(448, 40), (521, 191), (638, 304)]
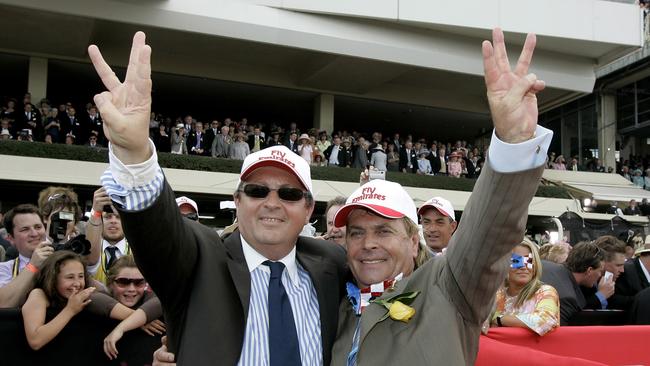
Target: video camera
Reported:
[(59, 225)]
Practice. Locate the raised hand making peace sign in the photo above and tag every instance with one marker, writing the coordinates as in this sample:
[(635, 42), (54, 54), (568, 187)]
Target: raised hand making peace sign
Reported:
[(511, 94), (126, 106)]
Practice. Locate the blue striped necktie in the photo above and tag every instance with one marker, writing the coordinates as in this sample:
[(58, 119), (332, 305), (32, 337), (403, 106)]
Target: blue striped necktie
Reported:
[(283, 339)]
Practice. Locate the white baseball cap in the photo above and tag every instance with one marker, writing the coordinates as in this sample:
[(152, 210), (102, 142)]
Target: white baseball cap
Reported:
[(386, 199), (280, 157), (187, 201), (442, 205)]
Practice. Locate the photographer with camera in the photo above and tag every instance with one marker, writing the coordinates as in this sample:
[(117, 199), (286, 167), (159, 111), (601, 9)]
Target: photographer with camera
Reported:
[(104, 231), (27, 233)]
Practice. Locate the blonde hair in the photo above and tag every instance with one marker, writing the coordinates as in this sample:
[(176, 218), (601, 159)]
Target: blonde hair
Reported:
[(423, 251), (528, 291)]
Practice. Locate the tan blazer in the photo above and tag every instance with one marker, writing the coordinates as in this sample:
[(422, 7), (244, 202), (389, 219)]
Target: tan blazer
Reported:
[(457, 288)]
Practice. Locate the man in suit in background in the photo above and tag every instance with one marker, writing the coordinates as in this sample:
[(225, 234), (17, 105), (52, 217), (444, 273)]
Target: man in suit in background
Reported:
[(635, 278), (408, 159), (256, 140), (210, 135), (238, 288), (450, 295)]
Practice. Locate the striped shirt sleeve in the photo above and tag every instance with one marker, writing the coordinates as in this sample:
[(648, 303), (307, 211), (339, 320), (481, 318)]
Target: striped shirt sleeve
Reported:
[(133, 187)]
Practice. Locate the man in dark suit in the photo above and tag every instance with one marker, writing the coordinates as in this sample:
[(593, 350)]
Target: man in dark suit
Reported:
[(92, 125), (634, 279), (408, 160), (214, 294), (256, 140), (210, 134), (292, 142), (604, 295), (196, 140), (583, 267)]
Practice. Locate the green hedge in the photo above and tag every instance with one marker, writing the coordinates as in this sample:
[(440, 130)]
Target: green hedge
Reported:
[(166, 160)]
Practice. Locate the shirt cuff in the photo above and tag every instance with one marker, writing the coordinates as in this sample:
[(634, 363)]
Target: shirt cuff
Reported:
[(135, 175), (602, 299), (510, 158)]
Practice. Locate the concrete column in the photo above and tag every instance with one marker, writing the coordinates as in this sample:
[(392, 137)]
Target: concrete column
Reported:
[(607, 129), (37, 79), (324, 112)]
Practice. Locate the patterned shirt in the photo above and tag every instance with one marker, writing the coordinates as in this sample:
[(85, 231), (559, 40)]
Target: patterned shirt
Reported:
[(540, 313)]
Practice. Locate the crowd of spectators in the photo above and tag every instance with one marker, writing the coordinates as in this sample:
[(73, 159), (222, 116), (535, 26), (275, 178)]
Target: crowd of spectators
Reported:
[(236, 139)]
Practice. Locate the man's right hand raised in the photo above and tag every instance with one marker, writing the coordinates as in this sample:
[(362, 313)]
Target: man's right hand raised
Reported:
[(126, 106)]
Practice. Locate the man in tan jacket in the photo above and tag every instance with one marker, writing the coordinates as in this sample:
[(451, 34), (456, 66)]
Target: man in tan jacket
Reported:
[(436, 310)]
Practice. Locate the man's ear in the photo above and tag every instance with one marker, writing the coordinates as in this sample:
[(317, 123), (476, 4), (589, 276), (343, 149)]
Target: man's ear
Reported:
[(454, 225), (415, 245)]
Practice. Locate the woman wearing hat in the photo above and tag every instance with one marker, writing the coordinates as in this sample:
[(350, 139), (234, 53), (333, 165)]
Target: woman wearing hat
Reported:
[(239, 149), (178, 140), (379, 158), (305, 148)]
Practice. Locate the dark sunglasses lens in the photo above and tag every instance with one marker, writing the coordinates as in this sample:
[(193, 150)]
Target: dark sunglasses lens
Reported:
[(256, 191), (290, 194), (192, 216), (138, 282)]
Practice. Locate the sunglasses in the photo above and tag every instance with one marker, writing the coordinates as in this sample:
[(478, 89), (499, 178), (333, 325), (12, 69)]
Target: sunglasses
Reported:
[(192, 216), (285, 193), (124, 282)]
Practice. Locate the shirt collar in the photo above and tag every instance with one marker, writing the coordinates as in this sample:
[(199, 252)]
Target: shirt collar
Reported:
[(254, 260), (23, 261), (645, 271), (121, 245)]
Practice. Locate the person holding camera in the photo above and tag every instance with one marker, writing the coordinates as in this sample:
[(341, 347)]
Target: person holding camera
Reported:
[(26, 232), (104, 231)]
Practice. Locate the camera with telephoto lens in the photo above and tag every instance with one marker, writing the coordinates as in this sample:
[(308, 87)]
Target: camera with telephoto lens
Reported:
[(59, 225), (79, 244)]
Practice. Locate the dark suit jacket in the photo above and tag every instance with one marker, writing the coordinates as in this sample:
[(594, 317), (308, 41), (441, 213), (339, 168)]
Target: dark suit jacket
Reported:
[(616, 301), (204, 284), (633, 280), (571, 298), (209, 138), (293, 148), (191, 143), (344, 156), (457, 288), (251, 142), (403, 160)]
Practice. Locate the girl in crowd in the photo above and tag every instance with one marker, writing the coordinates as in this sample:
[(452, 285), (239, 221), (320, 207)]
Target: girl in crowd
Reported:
[(305, 149), (524, 301), (62, 285), (128, 286), (453, 166)]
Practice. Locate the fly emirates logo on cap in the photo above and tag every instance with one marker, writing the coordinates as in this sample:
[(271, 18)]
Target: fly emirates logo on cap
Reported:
[(368, 193), (386, 199), (279, 155)]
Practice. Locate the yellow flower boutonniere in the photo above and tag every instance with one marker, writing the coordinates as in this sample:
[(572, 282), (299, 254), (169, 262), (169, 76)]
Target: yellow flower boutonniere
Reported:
[(398, 306)]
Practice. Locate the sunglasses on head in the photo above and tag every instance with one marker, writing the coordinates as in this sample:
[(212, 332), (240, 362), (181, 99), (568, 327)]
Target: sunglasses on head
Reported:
[(285, 193), (124, 282)]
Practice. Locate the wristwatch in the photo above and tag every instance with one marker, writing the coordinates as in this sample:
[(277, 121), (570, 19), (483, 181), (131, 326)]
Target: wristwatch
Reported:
[(499, 320)]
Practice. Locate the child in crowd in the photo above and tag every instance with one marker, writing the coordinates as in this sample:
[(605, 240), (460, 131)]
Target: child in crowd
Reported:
[(62, 285)]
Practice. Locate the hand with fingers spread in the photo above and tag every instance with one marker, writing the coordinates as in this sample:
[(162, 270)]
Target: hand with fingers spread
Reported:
[(511, 93), (126, 106)]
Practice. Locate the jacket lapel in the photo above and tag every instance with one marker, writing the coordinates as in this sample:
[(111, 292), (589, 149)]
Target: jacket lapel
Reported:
[(373, 312), (238, 268), (323, 277)]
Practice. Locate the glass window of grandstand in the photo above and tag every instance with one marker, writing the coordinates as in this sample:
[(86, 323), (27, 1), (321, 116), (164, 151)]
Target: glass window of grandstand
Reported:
[(575, 127), (633, 104)]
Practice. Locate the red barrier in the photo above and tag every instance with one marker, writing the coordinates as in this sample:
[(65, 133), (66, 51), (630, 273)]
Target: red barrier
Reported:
[(593, 345)]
